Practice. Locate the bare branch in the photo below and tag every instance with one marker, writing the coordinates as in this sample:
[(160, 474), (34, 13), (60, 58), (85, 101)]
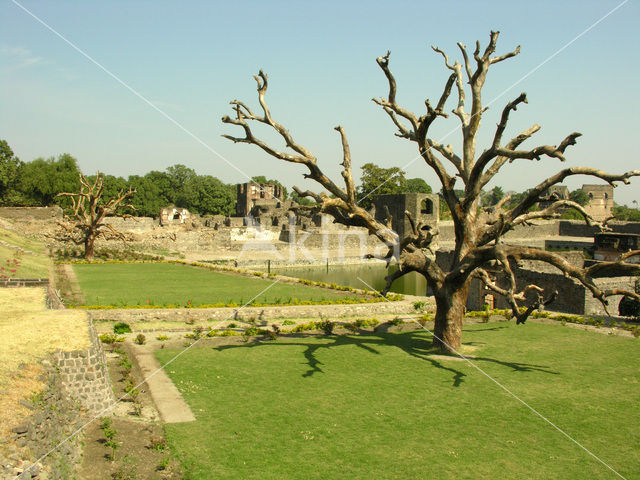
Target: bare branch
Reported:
[(505, 56), (534, 193), (467, 65), (390, 103), (456, 68), (346, 163), (308, 193), (536, 153)]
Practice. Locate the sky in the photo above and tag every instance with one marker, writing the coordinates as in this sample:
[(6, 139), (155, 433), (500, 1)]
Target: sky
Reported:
[(163, 73)]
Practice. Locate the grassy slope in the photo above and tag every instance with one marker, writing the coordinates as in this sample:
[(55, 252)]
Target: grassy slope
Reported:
[(380, 407), (162, 283), (29, 265)]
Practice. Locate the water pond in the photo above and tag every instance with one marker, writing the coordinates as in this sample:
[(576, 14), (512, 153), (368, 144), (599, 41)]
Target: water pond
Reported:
[(357, 276)]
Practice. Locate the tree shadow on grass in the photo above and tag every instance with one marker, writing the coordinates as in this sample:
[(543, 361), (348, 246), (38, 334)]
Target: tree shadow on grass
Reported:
[(415, 345)]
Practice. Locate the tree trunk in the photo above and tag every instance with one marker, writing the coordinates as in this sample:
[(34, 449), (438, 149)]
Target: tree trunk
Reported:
[(88, 247), (450, 307)]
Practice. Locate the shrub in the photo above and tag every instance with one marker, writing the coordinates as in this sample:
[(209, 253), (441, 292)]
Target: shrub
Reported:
[(352, 327), (140, 339), (397, 321), (158, 443), (251, 331), (109, 338), (126, 365), (196, 334), (121, 327), (162, 338), (288, 322), (327, 326), (164, 463), (106, 425), (418, 306)]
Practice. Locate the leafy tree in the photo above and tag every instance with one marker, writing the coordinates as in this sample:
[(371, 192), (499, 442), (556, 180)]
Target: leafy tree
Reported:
[(478, 233), (579, 196), (622, 212), (493, 197), (417, 185), (148, 199), (376, 180), (207, 195), (41, 180), (89, 209), (10, 166)]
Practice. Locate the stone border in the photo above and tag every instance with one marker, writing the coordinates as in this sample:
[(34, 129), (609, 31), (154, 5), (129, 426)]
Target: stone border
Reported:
[(257, 313), (23, 282)]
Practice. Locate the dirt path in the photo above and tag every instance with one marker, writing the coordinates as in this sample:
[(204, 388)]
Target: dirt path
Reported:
[(68, 284), (165, 395)]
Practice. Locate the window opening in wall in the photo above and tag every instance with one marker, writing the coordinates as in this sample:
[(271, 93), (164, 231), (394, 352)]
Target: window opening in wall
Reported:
[(426, 207)]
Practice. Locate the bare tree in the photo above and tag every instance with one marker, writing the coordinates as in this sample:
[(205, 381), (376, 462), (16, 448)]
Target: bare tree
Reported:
[(86, 222), (478, 232)]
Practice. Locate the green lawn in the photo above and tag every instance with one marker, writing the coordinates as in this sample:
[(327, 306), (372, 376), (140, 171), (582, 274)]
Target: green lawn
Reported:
[(174, 284), (378, 406)]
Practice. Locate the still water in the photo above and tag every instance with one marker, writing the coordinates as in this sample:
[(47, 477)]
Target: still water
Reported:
[(372, 275)]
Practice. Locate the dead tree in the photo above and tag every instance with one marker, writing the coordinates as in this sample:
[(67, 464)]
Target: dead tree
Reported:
[(86, 222), (478, 233)]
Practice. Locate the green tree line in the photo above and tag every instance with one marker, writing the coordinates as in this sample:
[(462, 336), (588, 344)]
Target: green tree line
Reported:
[(36, 183)]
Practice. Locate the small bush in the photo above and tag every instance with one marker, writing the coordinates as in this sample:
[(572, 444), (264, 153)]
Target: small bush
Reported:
[(327, 326), (110, 338), (396, 322), (121, 327), (126, 365), (419, 306), (164, 463), (162, 338), (288, 322), (196, 334), (140, 339), (351, 327), (158, 443), (251, 331)]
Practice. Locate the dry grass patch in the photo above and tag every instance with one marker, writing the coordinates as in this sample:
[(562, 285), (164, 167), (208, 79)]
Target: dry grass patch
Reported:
[(28, 331)]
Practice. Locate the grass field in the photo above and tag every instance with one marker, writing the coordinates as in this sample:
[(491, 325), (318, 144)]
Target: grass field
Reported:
[(14, 263), (381, 406), (174, 284)]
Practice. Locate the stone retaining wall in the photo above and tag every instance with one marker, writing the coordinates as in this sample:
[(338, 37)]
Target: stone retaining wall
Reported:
[(257, 313), (31, 213), (84, 376), (54, 418), (23, 282)]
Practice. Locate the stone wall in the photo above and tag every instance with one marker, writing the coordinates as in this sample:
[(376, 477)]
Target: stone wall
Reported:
[(540, 230), (84, 376), (54, 418), (23, 282), (573, 297), (246, 313), (593, 307), (576, 228), (31, 213), (134, 225)]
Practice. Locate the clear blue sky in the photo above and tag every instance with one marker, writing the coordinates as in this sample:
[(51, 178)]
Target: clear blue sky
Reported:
[(191, 58)]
